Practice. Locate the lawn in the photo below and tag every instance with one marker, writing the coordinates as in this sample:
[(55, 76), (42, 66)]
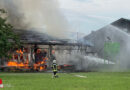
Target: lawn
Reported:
[(67, 81)]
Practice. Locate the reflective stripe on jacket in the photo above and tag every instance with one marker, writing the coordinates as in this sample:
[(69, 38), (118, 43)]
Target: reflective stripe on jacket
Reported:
[(54, 67)]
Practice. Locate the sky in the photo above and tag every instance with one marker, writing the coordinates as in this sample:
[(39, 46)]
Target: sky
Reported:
[(85, 16)]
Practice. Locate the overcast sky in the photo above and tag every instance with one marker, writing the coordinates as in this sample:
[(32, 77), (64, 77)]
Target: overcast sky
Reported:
[(87, 15)]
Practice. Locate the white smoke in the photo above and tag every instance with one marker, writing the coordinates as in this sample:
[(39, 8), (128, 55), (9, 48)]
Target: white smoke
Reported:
[(117, 35), (29, 14), (81, 62)]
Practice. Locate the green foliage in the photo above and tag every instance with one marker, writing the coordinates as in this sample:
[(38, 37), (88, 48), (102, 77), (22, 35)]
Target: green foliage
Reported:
[(8, 39)]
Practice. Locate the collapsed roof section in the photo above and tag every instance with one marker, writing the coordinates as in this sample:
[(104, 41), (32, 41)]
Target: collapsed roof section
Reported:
[(34, 37)]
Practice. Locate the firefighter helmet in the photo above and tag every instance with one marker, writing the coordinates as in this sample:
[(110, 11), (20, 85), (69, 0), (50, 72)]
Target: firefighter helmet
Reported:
[(54, 61)]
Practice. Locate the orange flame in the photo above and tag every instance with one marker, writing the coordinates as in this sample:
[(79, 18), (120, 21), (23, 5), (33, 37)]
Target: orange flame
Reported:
[(15, 64), (40, 65), (24, 64)]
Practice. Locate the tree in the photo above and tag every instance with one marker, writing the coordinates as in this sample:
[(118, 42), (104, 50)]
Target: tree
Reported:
[(8, 39)]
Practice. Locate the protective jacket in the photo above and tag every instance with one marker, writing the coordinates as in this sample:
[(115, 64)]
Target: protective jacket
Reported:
[(54, 67)]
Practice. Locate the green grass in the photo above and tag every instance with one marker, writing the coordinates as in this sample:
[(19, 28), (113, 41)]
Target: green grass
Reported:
[(44, 81)]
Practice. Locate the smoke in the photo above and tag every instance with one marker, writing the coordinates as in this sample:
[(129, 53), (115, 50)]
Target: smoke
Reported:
[(81, 61), (16, 17), (116, 35), (30, 14), (117, 62), (122, 58)]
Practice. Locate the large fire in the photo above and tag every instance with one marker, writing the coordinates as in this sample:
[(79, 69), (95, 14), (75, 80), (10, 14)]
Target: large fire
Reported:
[(21, 60)]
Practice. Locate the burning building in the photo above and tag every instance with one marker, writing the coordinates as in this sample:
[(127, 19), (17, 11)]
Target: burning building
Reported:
[(38, 50)]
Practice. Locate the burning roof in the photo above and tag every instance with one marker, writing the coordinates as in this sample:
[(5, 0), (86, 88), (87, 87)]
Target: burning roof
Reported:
[(34, 37), (31, 36)]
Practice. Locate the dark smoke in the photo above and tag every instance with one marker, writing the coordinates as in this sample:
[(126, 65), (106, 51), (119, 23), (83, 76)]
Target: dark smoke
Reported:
[(29, 14), (14, 12)]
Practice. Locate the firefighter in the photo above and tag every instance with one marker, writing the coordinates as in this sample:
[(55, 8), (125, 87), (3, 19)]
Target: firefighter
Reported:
[(55, 69)]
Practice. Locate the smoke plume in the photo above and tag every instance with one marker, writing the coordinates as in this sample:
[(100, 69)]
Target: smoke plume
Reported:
[(30, 14)]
